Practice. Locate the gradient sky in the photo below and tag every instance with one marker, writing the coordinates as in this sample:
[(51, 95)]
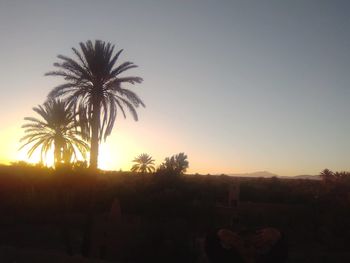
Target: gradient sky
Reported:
[(239, 86)]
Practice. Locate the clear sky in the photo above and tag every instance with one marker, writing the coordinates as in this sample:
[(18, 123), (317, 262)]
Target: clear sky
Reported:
[(239, 86)]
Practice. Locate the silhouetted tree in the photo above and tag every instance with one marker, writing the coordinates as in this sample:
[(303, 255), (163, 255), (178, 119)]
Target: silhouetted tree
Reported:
[(56, 129), (341, 175), (143, 163), (176, 164), (327, 174), (94, 88), (80, 165)]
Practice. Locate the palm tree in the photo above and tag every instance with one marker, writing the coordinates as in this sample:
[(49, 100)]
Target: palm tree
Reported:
[(176, 164), (341, 175), (143, 163), (57, 129), (181, 162), (94, 88)]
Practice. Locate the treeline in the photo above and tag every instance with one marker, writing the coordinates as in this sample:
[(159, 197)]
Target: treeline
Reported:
[(39, 188), (169, 208)]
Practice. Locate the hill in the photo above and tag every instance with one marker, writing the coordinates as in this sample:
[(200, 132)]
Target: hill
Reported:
[(266, 174)]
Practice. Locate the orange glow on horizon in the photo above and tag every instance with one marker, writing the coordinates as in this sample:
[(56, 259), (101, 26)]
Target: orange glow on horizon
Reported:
[(35, 158), (118, 152), (108, 159)]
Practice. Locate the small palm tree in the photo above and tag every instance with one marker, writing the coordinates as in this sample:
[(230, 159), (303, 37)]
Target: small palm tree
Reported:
[(341, 175), (143, 163), (94, 87), (56, 129), (181, 162), (327, 175), (176, 164)]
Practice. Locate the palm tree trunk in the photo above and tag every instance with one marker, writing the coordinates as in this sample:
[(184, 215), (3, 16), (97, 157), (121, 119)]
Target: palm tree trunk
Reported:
[(95, 128), (57, 153)]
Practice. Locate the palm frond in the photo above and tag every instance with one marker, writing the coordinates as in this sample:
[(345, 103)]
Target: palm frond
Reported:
[(91, 78), (56, 129)]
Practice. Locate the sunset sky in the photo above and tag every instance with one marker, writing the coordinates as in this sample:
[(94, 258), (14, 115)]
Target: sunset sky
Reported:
[(239, 86)]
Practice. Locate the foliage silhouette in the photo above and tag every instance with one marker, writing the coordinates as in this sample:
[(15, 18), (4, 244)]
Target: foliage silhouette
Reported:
[(330, 176), (56, 129), (167, 212), (143, 164), (326, 174), (94, 88), (176, 164)]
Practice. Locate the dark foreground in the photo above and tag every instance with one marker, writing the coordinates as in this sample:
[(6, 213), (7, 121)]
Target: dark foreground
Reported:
[(74, 216)]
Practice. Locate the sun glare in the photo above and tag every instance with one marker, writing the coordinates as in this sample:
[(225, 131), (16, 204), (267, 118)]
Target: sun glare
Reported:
[(108, 159), (35, 158)]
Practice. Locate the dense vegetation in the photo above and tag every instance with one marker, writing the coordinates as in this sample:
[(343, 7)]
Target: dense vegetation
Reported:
[(165, 214)]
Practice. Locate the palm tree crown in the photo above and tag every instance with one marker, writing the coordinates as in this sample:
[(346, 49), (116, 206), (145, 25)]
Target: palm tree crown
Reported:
[(56, 129), (94, 88), (143, 163), (176, 164)]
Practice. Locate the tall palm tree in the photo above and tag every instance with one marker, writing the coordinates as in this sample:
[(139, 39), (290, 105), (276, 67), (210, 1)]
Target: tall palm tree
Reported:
[(57, 129), (94, 88), (143, 163)]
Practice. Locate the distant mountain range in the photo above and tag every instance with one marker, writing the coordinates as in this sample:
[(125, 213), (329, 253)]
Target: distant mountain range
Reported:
[(310, 177), (265, 174)]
